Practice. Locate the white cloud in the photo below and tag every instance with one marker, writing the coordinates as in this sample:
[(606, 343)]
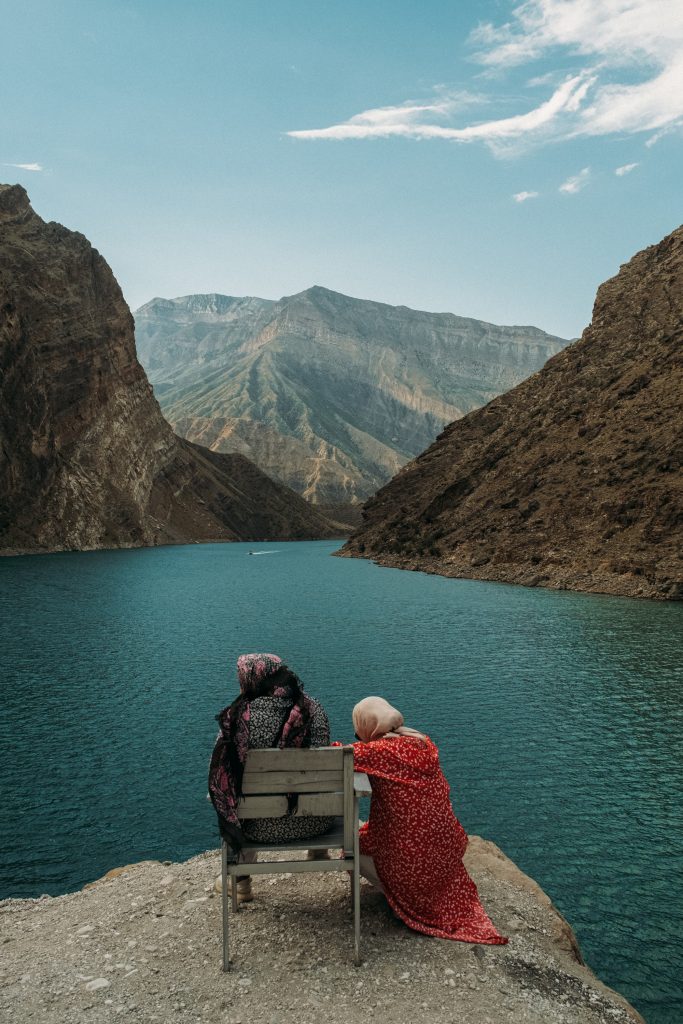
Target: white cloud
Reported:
[(416, 120), (617, 40), (521, 197), (625, 169), (614, 30), (576, 182), (549, 78), (628, 77), (412, 120), (26, 167), (654, 139)]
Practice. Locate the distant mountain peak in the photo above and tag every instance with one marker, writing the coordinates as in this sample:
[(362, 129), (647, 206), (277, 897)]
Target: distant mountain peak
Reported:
[(318, 292), (328, 393), (215, 301)]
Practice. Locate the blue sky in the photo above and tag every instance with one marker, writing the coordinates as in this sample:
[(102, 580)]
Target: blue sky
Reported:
[(446, 156)]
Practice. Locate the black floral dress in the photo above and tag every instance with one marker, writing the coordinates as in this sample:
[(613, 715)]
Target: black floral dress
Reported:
[(265, 725)]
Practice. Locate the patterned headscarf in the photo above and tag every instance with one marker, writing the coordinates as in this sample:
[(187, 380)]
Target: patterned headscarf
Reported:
[(254, 668), (232, 745)]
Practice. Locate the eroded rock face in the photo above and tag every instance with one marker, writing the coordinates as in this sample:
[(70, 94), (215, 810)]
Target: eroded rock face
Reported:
[(86, 457), (571, 480), (329, 394)]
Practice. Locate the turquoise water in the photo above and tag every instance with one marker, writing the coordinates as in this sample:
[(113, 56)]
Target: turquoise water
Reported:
[(559, 718)]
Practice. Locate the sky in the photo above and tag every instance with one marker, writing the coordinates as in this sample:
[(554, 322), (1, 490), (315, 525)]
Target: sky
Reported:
[(489, 158)]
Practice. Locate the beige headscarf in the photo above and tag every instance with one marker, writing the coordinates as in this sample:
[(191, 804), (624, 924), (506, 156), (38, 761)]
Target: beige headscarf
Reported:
[(374, 717)]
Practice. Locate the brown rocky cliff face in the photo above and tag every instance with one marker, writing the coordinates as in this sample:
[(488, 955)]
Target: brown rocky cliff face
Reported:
[(571, 480), (86, 458)]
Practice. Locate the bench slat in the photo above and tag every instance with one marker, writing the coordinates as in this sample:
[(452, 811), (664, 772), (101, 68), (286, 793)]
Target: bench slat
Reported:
[(291, 867), (257, 785), (262, 807), (295, 759), (320, 804), (308, 805), (291, 782)]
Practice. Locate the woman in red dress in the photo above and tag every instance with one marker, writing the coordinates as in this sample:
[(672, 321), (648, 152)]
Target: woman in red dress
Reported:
[(413, 837)]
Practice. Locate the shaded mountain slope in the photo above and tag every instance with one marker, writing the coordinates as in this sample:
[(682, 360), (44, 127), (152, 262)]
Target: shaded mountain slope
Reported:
[(571, 480), (330, 394), (86, 457)]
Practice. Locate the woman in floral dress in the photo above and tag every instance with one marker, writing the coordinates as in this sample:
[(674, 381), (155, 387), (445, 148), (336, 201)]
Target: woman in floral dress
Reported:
[(414, 839)]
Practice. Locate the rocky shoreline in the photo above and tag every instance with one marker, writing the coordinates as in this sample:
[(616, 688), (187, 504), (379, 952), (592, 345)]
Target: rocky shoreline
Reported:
[(560, 577), (143, 944)]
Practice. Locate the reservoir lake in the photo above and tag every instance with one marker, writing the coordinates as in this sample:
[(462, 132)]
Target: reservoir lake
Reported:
[(559, 719)]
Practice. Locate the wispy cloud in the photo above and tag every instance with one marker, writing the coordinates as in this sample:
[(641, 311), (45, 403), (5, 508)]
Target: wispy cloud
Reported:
[(625, 169), (419, 121), (26, 167), (576, 182), (411, 119), (628, 77), (521, 197), (654, 139), (616, 40)]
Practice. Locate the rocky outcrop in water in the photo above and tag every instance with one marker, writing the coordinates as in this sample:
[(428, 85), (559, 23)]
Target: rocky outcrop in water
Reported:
[(571, 480), (329, 394), (143, 944), (86, 457)]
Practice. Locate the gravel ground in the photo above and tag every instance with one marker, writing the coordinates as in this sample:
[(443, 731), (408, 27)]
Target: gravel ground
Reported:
[(144, 945)]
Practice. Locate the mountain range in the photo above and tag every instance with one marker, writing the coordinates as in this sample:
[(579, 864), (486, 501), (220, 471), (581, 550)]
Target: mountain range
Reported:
[(86, 457), (329, 394), (574, 478)]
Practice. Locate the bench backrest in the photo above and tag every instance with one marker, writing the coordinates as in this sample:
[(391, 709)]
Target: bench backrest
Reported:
[(322, 777)]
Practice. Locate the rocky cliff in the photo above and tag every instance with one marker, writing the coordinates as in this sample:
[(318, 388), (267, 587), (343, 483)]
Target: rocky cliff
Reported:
[(86, 457), (571, 480), (144, 944), (329, 394)]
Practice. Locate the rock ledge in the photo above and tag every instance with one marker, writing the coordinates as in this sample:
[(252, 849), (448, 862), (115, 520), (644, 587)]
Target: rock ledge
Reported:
[(143, 945)]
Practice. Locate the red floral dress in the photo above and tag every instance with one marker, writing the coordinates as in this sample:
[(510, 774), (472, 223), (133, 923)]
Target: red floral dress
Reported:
[(417, 843)]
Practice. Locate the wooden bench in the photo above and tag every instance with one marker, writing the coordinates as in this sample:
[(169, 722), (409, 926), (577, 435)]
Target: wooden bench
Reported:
[(324, 780)]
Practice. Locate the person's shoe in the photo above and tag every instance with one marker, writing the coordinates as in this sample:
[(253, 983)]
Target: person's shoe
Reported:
[(244, 893), (318, 855), (244, 890)]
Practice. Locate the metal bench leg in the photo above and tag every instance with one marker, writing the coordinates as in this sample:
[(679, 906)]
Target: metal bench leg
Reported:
[(224, 891), (233, 888), (356, 888)]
